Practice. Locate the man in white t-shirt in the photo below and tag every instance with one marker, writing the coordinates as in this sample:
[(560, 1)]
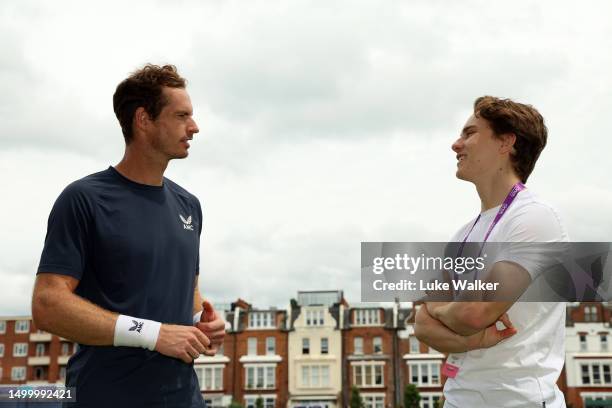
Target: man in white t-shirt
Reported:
[(517, 362)]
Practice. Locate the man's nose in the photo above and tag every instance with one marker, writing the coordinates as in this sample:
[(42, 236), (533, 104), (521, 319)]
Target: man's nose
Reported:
[(193, 128), (457, 145)]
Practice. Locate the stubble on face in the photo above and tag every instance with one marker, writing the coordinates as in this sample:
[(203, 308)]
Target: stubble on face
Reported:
[(172, 126)]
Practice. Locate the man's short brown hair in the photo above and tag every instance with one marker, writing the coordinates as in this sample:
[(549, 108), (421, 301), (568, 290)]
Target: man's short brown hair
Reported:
[(524, 121), (144, 89)]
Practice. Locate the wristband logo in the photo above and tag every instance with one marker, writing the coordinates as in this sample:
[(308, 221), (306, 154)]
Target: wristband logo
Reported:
[(186, 222), (137, 326)]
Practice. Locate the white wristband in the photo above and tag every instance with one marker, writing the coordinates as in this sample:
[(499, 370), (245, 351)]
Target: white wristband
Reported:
[(135, 332), (197, 317)]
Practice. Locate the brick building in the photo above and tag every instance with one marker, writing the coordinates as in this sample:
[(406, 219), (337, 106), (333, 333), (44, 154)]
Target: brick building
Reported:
[(30, 356)]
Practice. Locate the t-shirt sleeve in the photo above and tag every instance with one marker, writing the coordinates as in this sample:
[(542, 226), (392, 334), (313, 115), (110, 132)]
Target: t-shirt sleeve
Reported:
[(199, 212), (529, 238), (67, 243)]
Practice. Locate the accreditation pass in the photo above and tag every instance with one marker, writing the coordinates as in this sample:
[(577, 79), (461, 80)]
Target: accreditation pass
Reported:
[(37, 393)]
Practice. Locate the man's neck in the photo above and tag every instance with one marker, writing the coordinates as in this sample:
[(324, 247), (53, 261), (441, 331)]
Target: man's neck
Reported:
[(141, 167), (494, 190)]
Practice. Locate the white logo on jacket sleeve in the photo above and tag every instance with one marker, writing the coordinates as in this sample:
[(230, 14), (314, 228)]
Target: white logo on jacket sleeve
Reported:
[(186, 222)]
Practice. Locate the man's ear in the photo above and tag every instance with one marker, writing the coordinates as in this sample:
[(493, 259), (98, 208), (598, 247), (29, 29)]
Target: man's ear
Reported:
[(507, 146), (141, 119)]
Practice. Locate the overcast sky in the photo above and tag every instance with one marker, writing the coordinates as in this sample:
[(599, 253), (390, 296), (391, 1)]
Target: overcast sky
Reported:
[(322, 123)]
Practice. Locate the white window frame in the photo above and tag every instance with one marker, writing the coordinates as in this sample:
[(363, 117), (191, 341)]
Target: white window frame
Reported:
[(261, 320), (582, 339), (358, 345), (267, 372), (603, 339), (42, 373), (367, 317), (414, 345), (315, 375), (22, 326), (252, 346), (268, 399), (428, 399), (324, 345), (2, 326), (379, 340), (596, 371), (213, 401), (20, 350), (361, 369), (425, 369), (18, 373), (270, 346), (210, 376), (305, 345), (373, 400), (65, 349), (1, 352), (315, 317), (62, 372), (40, 350)]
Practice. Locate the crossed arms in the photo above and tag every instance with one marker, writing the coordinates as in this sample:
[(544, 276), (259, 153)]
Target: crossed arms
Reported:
[(455, 327)]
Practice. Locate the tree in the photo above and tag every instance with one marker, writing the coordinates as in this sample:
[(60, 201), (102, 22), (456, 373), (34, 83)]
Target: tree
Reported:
[(356, 400), (259, 402), (411, 396)]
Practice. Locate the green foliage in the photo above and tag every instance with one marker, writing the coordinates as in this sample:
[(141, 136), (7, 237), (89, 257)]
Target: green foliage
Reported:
[(259, 402), (356, 401), (411, 396), (235, 404)]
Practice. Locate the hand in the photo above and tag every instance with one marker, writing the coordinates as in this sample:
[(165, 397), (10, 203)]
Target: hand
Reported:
[(183, 342), (492, 335), (212, 326)]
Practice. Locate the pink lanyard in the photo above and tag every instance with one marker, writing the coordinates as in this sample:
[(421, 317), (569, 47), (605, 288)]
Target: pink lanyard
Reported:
[(518, 187)]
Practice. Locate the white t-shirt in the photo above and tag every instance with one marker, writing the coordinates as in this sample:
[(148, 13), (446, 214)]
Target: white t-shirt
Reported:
[(521, 371)]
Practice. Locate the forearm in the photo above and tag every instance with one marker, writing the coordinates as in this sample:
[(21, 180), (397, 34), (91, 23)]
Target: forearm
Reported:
[(197, 298), (433, 333), (70, 316)]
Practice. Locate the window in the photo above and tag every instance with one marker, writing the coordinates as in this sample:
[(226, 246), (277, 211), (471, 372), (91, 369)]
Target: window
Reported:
[(315, 317), (367, 317), (40, 349), (368, 374), (260, 376), (603, 337), (261, 320), (20, 349), (583, 342), (65, 349), (1, 350), (358, 345), (39, 373), (270, 345), (414, 345), (210, 377), (373, 400), (305, 345), (268, 402), (590, 313), (213, 402), (595, 373), (2, 326), (324, 345), (429, 400), (220, 350), (0, 375), (377, 345), (22, 326), (315, 376), (62, 372), (18, 374), (425, 373), (252, 346)]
